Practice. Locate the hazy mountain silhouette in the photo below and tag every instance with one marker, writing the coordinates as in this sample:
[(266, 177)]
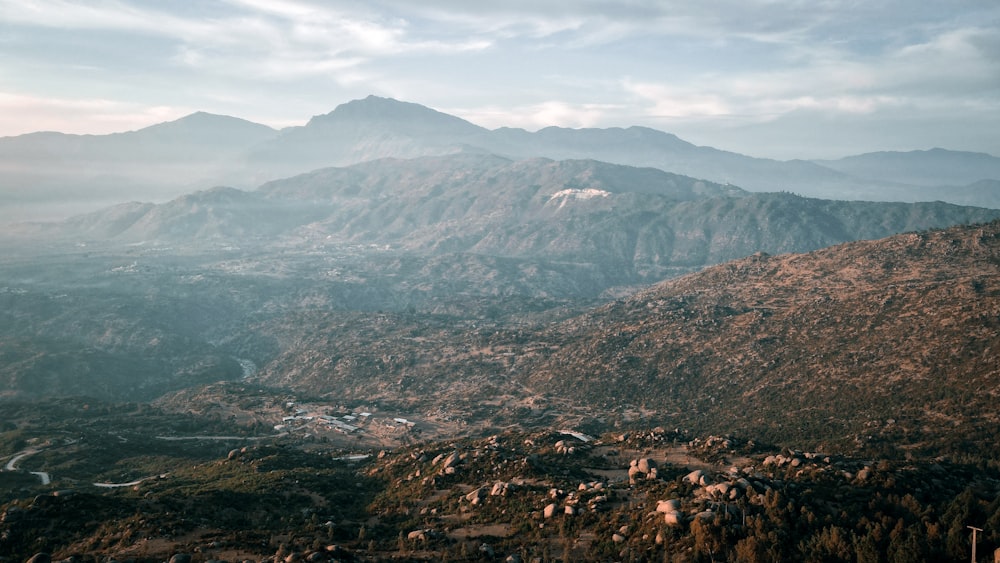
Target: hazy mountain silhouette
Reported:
[(930, 168), (84, 172), (170, 159), (644, 222)]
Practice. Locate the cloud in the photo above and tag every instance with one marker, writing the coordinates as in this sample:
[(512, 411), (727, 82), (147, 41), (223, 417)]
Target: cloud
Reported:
[(81, 116), (527, 63), (280, 39), (955, 66), (538, 115)]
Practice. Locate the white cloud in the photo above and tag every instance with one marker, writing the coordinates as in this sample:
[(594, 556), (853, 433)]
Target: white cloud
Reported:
[(282, 39), (526, 63), (81, 116), (539, 115)]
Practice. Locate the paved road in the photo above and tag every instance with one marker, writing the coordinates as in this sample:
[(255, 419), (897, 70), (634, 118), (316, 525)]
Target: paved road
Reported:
[(12, 465), (46, 479)]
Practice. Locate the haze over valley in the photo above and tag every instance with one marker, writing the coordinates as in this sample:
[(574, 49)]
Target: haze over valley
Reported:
[(658, 281), (416, 280)]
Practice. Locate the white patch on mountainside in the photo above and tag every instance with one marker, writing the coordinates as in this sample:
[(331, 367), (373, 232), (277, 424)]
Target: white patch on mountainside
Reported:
[(568, 194)]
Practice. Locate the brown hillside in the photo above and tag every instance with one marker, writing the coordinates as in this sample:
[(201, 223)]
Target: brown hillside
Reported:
[(895, 341)]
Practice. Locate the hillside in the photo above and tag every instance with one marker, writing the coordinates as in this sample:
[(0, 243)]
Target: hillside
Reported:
[(137, 483), (879, 344), (834, 405), (643, 223), (894, 341), (141, 299)]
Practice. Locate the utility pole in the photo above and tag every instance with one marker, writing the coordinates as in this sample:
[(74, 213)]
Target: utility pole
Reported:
[(974, 530)]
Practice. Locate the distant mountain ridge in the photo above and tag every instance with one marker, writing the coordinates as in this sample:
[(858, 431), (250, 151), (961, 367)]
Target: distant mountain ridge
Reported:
[(644, 222), (202, 150), (931, 168)]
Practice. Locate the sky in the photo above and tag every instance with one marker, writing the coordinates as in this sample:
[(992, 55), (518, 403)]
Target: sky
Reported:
[(770, 78)]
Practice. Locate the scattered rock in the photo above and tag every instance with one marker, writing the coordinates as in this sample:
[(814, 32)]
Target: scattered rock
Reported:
[(643, 467), (666, 506), (477, 495), (501, 489), (420, 535), (698, 477), (673, 518), (452, 460), (549, 511), (645, 464)]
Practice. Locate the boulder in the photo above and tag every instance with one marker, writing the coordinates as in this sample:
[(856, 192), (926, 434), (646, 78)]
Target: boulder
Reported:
[(418, 535), (865, 474), (501, 489), (564, 447), (698, 477), (475, 495), (643, 467), (633, 474), (673, 518), (450, 461), (705, 515), (671, 505), (549, 511), (719, 490)]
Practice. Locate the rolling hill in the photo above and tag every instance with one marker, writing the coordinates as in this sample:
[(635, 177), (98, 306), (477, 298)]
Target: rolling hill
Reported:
[(894, 340), (885, 346)]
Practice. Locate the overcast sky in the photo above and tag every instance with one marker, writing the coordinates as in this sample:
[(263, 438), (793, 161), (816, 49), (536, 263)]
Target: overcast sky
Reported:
[(773, 78)]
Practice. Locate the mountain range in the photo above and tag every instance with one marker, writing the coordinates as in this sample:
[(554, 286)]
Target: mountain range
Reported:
[(452, 264), (391, 334), (644, 224), (53, 175)]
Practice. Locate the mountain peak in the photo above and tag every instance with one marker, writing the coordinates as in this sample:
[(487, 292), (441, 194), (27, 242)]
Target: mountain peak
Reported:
[(201, 123), (378, 110)]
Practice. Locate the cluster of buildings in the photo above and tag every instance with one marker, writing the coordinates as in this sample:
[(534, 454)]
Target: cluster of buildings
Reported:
[(354, 423), (346, 424)]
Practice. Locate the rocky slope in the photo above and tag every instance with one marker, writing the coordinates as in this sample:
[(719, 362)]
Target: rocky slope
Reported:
[(893, 338), (879, 344)]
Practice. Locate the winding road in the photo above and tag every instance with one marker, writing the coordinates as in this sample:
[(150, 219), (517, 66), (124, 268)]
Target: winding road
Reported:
[(12, 465), (46, 479)]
